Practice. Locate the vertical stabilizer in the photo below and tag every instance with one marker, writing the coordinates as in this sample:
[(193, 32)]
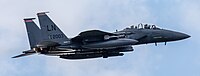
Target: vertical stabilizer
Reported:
[(33, 31), (50, 29)]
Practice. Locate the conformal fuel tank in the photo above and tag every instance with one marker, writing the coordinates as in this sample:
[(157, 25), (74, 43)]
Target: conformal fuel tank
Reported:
[(111, 43)]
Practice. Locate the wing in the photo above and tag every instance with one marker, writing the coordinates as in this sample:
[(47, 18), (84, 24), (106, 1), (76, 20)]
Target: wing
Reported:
[(92, 36), (94, 33), (96, 39)]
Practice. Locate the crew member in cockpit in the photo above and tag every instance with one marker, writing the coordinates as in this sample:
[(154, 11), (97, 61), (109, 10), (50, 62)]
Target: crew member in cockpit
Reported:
[(145, 26), (153, 26)]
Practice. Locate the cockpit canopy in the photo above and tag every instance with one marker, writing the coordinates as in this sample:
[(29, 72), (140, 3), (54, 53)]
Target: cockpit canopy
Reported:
[(143, 26)]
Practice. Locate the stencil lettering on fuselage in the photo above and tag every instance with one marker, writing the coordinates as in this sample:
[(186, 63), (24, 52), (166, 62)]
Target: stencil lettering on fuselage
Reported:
[(51, 27), (56, 36)]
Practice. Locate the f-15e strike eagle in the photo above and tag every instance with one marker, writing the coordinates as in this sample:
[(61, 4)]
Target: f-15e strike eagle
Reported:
[(50, 40)]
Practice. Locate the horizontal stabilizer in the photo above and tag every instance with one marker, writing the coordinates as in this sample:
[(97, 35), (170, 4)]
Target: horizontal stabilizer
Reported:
[(25, 53), (21, 55)]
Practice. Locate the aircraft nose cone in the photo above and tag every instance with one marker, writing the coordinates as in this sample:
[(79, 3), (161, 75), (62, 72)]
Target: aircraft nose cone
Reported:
[(185, 36), (181, 36), (174, 36)]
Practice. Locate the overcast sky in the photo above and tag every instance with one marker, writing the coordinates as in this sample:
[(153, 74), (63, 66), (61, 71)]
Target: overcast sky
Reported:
[(179, 58)]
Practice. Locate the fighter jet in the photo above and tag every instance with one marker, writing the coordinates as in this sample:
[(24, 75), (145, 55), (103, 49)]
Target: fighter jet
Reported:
[(50, 40), (150, 33)]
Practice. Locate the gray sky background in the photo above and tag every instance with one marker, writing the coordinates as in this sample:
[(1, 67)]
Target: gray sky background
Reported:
[(180, 58)]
